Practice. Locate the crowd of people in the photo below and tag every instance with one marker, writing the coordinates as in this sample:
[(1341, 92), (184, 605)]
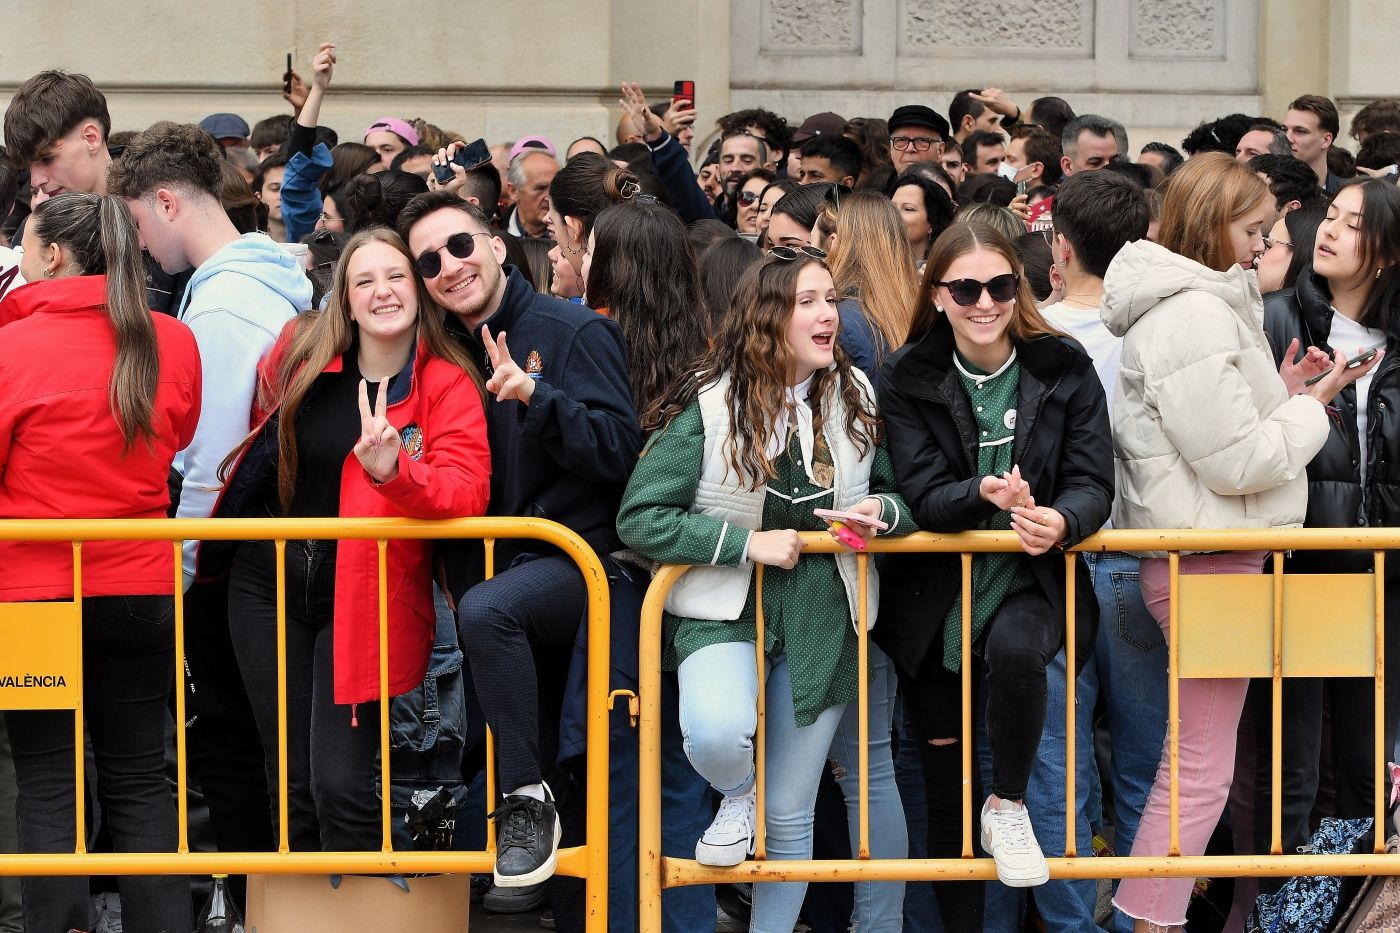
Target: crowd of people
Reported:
[(998, 318)]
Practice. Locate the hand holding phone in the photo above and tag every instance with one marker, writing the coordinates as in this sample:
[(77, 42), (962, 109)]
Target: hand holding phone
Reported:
[(840, 525), (1353, 363), (467, 156), (683, 92), (287, 76)]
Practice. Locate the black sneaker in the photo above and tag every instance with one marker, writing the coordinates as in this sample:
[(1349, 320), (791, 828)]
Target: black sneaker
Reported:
[(527, 841), (514, 900)]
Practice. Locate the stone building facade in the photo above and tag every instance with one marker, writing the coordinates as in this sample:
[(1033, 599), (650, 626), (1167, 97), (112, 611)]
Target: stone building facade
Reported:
[(502, 69)]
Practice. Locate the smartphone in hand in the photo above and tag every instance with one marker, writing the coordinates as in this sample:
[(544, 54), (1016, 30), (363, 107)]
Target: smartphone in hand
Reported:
[(287, 76), (1352, 363), (683, 91), (470, 156)]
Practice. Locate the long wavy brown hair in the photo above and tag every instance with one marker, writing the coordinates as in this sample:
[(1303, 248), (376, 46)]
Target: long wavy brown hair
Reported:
[(321, 336), (752, 348)]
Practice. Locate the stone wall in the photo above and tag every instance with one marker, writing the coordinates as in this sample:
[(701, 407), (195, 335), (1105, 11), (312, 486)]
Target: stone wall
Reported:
[(500, 70)]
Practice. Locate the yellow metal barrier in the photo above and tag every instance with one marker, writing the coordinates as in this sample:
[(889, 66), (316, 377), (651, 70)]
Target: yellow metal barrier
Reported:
[(1272, 634), (61, 650)]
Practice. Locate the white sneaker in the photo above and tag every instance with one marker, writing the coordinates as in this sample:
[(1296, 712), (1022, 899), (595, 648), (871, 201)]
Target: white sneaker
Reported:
[(1008, 838), (730, 838)]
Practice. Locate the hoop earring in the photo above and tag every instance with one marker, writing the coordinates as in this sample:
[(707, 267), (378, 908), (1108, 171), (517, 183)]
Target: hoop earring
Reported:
[(1379, 271)]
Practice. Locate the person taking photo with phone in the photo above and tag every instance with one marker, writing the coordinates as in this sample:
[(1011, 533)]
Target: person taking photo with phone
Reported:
[(327, 444), (1346, 300), (1207, 433), (775, 424), (997, 421)]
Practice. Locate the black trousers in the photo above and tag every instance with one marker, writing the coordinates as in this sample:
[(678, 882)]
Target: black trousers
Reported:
[(332, 802), (524, 618), (224, 753), (128, 666), (1008, 679)]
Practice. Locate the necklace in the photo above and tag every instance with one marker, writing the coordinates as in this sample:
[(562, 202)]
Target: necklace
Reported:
[(1082, 302)]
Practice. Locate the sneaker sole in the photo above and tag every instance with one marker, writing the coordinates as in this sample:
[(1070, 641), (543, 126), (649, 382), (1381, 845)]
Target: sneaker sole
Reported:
[(1023, 881), (495, 903), (541, 874), (721, 856)]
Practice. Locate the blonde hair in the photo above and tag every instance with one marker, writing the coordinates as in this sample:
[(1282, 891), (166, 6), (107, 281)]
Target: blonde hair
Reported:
[(872, 261), (1202, 198)]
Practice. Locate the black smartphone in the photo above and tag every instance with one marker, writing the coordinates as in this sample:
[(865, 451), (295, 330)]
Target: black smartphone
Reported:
[(469, 157), (287, 76), (1352, 363)]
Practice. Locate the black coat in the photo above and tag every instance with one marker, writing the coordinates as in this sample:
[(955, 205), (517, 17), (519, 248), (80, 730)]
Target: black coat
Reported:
[(1336, 498), (567, 455), (1063, 445)]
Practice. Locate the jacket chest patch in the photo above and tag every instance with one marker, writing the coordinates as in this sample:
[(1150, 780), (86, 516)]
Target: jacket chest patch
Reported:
[(534, 365), (412, 436)]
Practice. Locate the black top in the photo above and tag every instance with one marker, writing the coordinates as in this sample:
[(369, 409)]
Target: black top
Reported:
[(568, 454), (328, 425)]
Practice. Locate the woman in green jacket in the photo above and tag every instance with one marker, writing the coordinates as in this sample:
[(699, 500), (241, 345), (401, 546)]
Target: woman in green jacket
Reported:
[(775, 424)]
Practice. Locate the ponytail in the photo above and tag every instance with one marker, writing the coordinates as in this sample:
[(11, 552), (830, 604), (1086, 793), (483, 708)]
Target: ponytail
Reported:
[(589, 184), (101, 237), (136, 368)]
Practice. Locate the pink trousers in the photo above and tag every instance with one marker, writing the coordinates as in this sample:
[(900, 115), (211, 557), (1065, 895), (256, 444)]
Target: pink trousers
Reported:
[(1210, 717)]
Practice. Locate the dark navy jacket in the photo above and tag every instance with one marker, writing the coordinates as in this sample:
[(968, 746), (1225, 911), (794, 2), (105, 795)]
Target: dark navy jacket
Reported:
[(568, 454)]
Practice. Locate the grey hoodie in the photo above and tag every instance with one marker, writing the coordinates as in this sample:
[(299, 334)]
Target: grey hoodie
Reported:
[(237, 303), (1204, 432)]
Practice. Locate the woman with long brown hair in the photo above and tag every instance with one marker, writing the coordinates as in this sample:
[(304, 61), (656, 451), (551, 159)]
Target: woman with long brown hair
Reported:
[(775, 424), (873, 266), (328, 445), (100, 393), (996, 422), (1206, 435)]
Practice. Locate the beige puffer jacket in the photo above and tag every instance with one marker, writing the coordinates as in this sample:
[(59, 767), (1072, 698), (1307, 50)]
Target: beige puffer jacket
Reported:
[(1204, 433)]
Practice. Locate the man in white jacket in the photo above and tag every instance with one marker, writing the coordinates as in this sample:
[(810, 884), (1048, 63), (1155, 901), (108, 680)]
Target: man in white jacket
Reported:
[(244, 289)]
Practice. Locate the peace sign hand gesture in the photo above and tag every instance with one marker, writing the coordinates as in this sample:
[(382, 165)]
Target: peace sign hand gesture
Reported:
[(379, 444), (508, 381)]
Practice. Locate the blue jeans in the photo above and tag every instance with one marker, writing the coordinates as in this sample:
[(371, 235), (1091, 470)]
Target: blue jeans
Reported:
[(718, 717), (686, 810), (1065, 906), (1131, 657), (920, 907), (879, 906)]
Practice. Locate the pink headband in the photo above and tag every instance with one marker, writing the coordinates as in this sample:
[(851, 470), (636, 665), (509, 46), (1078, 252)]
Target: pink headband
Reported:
[(394, 125)]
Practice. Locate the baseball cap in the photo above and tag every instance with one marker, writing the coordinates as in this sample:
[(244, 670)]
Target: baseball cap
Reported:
[(919, 115), (225, 125), (819, 124), (541, 143), (394, 125)]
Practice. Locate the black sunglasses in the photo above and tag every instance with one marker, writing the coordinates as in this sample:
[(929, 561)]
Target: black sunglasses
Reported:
[(966, 292), (747, 197), (789, 253), (461, 245)]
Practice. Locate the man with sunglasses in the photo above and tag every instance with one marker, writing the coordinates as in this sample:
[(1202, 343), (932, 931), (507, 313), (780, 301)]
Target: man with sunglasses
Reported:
[(564, 438), (917, 134)]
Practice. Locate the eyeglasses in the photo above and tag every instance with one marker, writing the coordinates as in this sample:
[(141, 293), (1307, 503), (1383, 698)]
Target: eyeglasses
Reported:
[(747, 197), (789, 253), (917, 143), (1270, 243), (461, 245), (966, 292)]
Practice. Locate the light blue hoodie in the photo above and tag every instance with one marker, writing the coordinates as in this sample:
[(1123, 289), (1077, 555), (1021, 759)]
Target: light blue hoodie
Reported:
[(236, 304)]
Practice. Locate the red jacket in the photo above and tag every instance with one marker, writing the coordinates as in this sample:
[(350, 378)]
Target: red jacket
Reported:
[(61, 448), (444, 472)]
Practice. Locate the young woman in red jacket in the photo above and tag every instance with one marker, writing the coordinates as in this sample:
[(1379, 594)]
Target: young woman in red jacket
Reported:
[(99, 395), (327, 444)]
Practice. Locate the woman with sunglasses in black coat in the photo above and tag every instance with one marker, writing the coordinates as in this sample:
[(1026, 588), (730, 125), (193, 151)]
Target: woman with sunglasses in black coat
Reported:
[(996, 421)]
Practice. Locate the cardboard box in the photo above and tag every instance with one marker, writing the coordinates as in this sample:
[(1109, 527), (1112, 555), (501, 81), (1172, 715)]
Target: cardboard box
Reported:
[(308, 904)]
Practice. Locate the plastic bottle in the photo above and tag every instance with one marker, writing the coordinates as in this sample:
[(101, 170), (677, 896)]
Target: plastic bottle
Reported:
[(219, 914)]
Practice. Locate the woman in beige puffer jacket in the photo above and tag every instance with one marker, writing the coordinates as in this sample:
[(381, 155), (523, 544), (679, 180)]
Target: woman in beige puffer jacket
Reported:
[(1206, 434)]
